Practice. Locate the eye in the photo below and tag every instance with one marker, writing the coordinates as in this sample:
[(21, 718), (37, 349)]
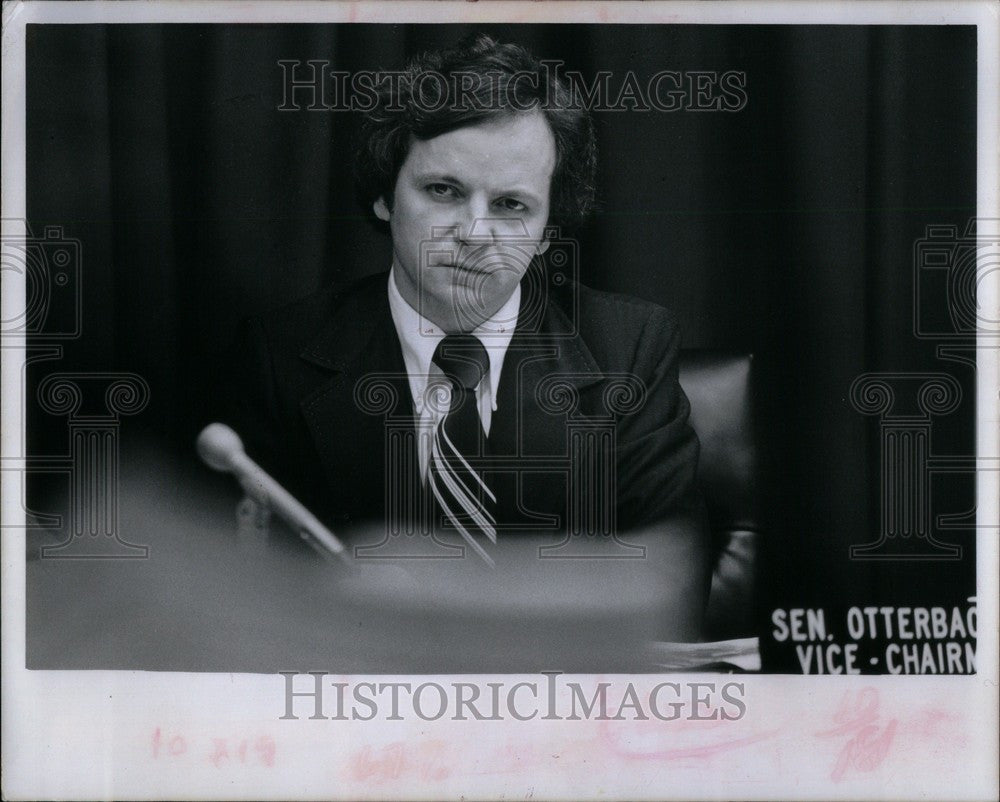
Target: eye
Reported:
[(443, 191), (511, 205)]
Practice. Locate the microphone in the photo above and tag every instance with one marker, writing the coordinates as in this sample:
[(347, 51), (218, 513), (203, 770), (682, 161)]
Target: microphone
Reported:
[(222, 450)]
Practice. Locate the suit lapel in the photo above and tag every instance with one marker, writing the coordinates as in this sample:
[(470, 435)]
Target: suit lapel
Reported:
[(546, 354), (367, 390), (547, 361), (348, 413)]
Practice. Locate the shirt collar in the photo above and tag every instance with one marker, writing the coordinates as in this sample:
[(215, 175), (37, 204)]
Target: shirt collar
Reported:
[(419, 338)]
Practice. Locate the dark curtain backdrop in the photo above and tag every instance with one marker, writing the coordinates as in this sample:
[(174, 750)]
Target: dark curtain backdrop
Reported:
[(785, 229)]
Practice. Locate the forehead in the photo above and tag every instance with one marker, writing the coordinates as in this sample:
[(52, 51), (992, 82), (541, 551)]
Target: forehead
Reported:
[(519, 149)]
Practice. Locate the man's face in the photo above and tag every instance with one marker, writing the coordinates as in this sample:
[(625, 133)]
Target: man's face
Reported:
[(469, 211)]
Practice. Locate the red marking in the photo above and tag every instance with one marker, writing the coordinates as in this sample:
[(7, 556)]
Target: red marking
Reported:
[(387, 766), (928, 725), (266, 750), (851, 716), (435, 764), (698, 751), (220, 751), (397, 760), (867, 750), (175, 746)]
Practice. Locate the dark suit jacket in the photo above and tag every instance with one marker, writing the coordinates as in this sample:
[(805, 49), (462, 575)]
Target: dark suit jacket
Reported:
[(318, 385)]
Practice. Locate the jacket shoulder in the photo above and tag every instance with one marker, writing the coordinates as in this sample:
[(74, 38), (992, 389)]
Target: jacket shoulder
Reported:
[(616, 326), (295, 324), (621, 306)]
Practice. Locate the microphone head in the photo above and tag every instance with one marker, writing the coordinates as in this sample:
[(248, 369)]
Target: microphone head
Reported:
[(217, 445)]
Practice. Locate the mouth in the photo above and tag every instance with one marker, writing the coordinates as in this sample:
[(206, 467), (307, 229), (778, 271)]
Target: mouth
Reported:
[(479, 261), (465, 267), (471, 267)]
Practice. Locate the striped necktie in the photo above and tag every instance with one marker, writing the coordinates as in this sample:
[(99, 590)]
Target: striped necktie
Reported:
[(459, 444)]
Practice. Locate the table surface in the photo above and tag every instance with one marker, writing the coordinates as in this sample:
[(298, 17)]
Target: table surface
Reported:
[(203, 600)]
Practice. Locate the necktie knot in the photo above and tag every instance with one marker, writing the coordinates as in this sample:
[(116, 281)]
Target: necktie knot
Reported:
[(463, 359)]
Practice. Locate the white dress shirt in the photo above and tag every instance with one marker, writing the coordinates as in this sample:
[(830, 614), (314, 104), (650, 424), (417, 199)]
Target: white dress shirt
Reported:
[(419, 339)]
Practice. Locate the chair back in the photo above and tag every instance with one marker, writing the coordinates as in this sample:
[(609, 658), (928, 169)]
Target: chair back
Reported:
[(719, 387)]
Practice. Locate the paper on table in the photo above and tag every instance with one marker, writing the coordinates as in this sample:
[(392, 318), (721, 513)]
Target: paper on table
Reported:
[(742, 653)]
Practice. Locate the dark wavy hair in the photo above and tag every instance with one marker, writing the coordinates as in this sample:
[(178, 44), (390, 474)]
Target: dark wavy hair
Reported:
[(478, 80)]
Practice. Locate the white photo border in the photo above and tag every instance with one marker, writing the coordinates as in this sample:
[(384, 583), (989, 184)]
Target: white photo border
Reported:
[(71, 734)]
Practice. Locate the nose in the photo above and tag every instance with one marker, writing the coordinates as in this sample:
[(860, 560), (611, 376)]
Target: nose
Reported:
[(470, 225), (482, 226), (476, 226)]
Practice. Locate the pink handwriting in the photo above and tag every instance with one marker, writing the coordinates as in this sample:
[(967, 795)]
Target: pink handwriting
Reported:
[(858, 716), (426, 761), (219, 751), (710, 747)]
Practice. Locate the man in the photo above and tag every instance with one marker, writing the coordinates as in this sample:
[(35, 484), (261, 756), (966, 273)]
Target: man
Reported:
[(477, 391)]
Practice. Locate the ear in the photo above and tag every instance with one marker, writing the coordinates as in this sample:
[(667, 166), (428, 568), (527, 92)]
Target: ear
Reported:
[(381, 210)]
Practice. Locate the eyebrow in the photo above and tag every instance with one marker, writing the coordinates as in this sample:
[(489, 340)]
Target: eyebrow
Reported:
[(521, 192), (437, 178)]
